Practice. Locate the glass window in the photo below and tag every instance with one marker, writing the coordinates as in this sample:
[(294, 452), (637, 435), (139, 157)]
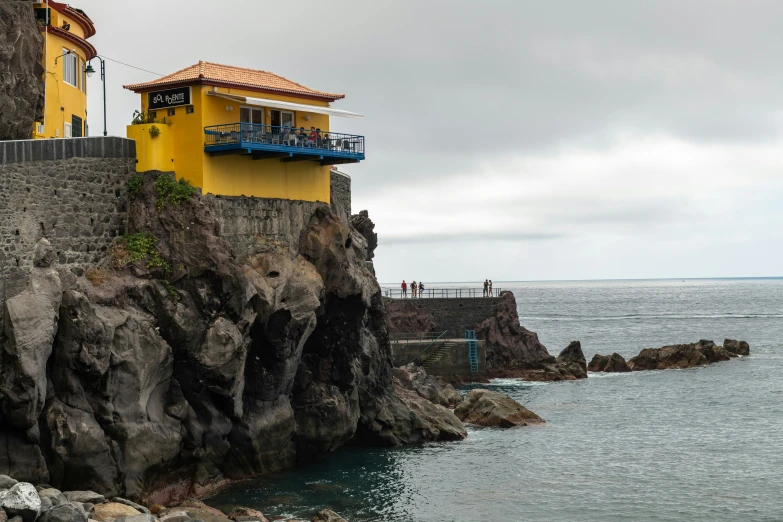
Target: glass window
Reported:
[(189, 109), (287, 119), (70, 66), (172, 112), (251, 115), (67, 130)]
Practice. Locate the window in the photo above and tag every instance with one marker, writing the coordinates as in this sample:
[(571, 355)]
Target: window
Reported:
[(172, 112), (76, 126), (84, 75), (282, 119), (251, 115), (189, 109), (153, 114), (67, 131), (70, 66)]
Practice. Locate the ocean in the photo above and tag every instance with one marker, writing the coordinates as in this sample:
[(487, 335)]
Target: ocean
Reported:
[(702, 444)]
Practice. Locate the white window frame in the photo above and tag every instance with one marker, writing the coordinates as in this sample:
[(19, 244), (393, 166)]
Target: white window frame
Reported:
[(67, 130), (293, 117), (251, 108), (70, 68)]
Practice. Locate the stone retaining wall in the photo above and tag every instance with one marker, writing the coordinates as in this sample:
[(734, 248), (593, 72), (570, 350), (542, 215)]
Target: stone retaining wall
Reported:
[(340, 189), (249, 224), (71, 191), (453, 314)]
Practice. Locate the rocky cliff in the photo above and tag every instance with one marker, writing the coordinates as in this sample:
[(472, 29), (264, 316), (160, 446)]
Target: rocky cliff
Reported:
[(175, 367), (21, 73), (515, 351)]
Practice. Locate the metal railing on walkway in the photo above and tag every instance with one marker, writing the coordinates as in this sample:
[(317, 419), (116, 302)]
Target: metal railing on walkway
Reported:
[(417, 337), (441, 293)]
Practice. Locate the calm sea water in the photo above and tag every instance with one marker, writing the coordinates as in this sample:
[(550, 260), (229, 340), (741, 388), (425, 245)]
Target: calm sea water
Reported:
[(702, 444)]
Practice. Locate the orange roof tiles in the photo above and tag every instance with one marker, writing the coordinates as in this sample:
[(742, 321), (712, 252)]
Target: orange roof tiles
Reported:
[(218, 74)]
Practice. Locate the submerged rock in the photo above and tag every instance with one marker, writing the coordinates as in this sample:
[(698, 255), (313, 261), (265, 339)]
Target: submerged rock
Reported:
[(327, 515), (608, 363), (493, 409)]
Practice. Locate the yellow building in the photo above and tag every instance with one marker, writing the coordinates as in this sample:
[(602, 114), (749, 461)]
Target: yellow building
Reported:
[(65, 56), (209, 123)]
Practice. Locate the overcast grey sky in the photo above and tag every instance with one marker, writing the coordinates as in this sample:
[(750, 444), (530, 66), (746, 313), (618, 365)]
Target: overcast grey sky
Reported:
[(517, 140)]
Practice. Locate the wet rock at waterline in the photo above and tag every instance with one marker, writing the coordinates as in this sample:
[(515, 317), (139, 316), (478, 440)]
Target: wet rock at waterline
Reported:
[(608, 363), (493, 409), (681, 356)]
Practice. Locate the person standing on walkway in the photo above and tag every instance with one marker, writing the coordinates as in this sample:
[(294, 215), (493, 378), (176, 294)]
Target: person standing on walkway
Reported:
[(490, 288), (404, 287), (413, 289), (486, 287), (421, 288)]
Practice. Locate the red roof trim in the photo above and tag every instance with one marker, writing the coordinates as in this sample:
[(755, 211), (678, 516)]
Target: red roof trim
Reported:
[(217, 83), (85, 23), (86, 46)]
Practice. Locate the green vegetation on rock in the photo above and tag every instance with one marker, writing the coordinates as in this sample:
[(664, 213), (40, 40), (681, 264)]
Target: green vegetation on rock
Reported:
[(136, 247), (171, 191), (134, 186)]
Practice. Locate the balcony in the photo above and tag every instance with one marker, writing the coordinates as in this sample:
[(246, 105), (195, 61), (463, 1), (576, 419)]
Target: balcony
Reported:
[(269, 142)]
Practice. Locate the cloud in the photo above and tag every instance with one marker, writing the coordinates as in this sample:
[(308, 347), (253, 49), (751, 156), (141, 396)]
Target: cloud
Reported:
[(564, 138)]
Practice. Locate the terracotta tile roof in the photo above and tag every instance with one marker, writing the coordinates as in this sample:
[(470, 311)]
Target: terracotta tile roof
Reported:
[(218, 74)]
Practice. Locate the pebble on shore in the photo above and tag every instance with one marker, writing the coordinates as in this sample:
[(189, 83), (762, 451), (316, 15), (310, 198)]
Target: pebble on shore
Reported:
[(24, 502)]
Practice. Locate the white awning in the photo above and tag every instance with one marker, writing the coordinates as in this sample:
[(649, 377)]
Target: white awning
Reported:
[(277, 104)]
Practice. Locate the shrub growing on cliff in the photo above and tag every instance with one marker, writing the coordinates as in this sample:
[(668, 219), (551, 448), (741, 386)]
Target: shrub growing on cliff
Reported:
[(171, 191), (135, 247), (134, 186)]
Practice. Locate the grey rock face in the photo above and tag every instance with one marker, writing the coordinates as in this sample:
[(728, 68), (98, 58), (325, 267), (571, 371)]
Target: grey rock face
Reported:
[(30, 325), (84, 496), (493, 409), (43, 255), (365, 226), (64, 513), (608, 363), (6, 482), (415, 378), (21, 73), (21, 500), (229, 369)]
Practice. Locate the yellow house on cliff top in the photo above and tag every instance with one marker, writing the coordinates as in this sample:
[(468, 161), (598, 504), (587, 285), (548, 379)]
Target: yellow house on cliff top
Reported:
[(234, 131), (65, 56)]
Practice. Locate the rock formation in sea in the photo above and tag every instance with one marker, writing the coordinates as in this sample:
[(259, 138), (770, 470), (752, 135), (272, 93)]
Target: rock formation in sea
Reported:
[(608, 363), (515, 351), (21, 72), (175, 367), (677, 356), (493, 409)]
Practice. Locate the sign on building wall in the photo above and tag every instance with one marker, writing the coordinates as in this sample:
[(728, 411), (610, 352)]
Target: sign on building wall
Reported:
[(168, 98)]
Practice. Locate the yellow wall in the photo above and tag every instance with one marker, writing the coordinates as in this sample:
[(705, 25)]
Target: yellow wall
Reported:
[(152, 153), (62, 100), (235, 175)]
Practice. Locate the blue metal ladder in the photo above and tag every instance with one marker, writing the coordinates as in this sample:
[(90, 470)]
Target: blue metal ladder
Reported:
[(470, 337)]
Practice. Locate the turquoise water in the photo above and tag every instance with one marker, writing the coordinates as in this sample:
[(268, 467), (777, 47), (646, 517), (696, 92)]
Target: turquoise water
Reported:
[(702, 444)]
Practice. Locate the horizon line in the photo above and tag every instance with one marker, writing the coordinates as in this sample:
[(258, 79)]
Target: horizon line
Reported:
[(731, 278)]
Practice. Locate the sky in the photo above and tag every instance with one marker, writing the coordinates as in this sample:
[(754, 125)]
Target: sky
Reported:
[(516, 140)]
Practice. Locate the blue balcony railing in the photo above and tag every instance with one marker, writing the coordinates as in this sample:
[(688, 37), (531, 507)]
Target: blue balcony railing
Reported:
[(285, 142)]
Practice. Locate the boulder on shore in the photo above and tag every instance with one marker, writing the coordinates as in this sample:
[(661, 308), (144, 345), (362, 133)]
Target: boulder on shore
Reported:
[(112, 510), (21, 500), (493, 409), (608, 363), (416, 379)]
